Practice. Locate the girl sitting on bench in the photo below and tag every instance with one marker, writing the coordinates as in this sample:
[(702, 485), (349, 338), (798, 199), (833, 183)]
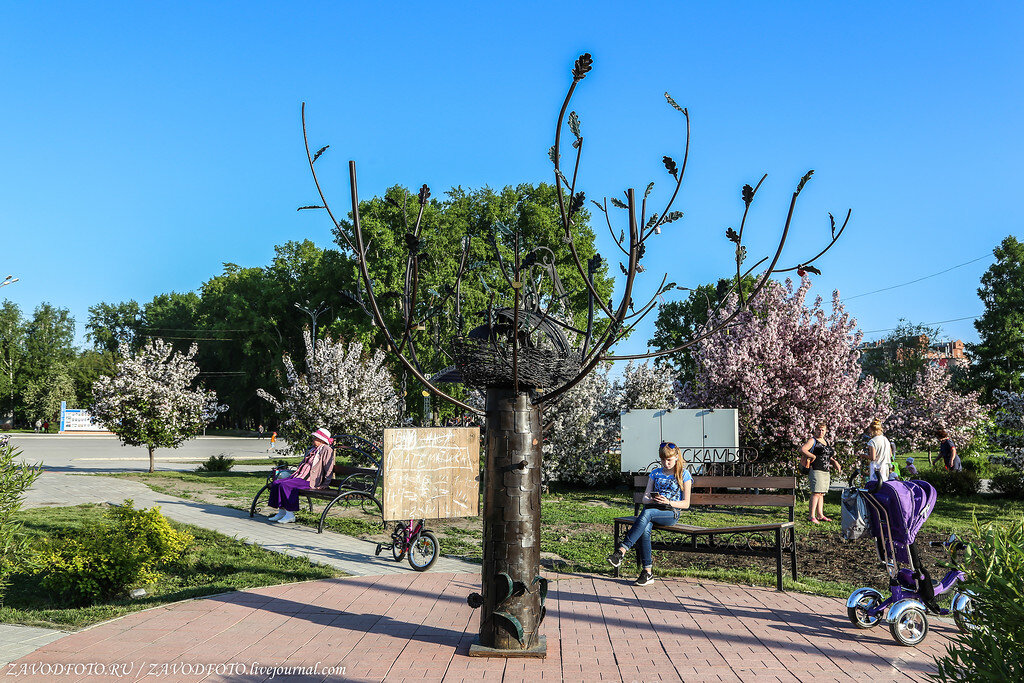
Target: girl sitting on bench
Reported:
[(668, 492), (315, 470)]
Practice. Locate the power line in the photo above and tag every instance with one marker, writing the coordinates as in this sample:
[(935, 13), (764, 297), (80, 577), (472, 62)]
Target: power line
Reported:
[(941, 272), (160, 336), (937, 322)]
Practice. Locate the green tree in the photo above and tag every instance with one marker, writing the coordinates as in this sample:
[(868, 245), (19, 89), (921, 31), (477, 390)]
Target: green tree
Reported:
[(44, 376), (112, 324), (679, 321), (998, 357), (15, 479), (898, 358), (12, 351)]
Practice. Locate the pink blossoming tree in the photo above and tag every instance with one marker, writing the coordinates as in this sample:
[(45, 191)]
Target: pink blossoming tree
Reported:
[(786, 366), (150, 400), (933, 403)]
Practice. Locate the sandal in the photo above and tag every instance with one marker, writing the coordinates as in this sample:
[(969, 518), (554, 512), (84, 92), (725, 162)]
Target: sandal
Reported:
[(825, 519), (814, 521)]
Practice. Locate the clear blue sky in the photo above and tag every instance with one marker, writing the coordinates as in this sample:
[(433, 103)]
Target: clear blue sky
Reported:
[(144, 144)]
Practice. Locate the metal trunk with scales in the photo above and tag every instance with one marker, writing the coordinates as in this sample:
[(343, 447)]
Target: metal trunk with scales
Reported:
[(530, 348)]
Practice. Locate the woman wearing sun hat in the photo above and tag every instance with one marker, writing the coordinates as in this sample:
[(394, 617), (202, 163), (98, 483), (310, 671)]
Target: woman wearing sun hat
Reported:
[(316, 469)]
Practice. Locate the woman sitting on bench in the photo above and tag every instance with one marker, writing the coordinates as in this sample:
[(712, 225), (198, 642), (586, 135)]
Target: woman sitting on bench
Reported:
[(315, 470), (668, 492)]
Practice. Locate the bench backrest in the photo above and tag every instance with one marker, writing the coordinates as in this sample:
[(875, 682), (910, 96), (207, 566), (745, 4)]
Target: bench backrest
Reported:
[(368, 477), (731, 491)]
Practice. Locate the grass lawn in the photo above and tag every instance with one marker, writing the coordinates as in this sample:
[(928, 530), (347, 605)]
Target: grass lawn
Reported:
[(576, 531), (213, 564)]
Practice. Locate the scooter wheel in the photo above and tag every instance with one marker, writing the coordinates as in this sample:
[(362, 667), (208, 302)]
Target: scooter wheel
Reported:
[(859, 614), (910, 627)]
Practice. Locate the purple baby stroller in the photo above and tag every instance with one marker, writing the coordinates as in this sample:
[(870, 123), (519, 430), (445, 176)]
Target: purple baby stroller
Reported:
[(898, 510)]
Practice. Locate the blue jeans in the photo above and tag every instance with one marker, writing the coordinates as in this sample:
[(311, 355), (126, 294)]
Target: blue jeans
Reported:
[(641, 530)]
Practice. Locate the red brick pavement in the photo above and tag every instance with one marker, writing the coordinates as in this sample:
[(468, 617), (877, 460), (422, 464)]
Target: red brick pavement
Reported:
[(418, 627)]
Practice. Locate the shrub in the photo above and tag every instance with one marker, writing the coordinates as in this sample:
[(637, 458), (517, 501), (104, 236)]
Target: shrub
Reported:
[(977, 464), (15, 479), (216, 463), (108, 558), (1008, 482), (994, 651), (963, 483)]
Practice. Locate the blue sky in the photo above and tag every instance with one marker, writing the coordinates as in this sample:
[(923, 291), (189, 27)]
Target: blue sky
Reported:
[(144, 144)]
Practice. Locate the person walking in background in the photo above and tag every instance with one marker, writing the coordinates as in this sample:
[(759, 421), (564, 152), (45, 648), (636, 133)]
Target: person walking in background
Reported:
[(39, 425), (316, 469), (878, 452), (273, 439), (668, 492), (259, 432), (46, 426), (947, 449), (819, 457)]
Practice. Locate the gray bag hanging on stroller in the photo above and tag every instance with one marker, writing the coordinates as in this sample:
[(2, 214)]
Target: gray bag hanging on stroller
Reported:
[(856, 520)]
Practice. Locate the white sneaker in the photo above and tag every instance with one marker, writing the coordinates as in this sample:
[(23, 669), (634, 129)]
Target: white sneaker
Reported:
[(278, 515), (287, 518)]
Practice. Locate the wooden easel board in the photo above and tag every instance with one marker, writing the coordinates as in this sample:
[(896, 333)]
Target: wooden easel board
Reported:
[(431, 472)]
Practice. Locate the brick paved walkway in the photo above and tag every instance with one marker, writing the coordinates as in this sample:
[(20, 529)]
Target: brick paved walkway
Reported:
[(418, 627)]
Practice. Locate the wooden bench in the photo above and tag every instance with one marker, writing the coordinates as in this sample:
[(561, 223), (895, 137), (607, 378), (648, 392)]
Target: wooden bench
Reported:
[(348, 484), (751, 540)]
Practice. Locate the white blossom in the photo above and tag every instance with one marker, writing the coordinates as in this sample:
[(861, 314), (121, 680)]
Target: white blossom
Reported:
[(1009, 423), (582, 426)]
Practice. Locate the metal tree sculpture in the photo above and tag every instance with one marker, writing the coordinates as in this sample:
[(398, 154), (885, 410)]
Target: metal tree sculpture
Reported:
[(528, 352)]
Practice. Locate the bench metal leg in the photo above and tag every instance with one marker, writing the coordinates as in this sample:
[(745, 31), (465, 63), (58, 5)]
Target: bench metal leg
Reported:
[(778, 559), (792, 536), (616, 547)]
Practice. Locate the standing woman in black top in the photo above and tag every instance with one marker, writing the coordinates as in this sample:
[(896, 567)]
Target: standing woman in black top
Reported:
[(947, 449), (822, 458)]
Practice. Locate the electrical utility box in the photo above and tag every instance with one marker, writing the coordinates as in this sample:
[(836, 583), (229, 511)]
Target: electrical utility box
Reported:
[(643, 431)]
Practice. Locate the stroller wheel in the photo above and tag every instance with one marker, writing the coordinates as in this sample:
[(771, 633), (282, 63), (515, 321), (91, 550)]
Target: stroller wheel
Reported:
[(909, 627), (859, 613)]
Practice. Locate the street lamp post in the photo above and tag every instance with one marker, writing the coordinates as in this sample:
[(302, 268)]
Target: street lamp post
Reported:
[(313, 313)]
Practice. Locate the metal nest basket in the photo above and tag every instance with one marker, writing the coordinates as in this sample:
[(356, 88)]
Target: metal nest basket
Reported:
[(482, 364)]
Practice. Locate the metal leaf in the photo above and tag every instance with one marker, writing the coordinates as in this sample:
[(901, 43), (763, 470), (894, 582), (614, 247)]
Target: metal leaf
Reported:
[(647, 192), (574, 123), (832, 220), (552, 155), (317, 206), (672, 216), (732, 235), (673, 103), (502, 587), (584, 63), (561, 177), (510, 624), (741, 254), (424, 194), (622, 236), (543, 588), (803, 181), (623, 268), (670, 166), (598, 205), (748, 194), (812, 269), (319, 152), (650, 223), (618, 203)]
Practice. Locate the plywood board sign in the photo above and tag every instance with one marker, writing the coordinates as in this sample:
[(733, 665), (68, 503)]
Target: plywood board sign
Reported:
[(431, 472)]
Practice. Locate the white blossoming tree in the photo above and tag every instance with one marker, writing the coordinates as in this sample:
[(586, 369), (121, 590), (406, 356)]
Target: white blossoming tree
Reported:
[(1009, 423), (579, 431), (150, 400), (786, 366), (343, 390), (932, 403), (645, 386)]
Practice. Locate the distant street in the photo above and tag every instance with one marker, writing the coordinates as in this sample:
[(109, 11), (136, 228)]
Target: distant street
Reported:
[(86, 454)]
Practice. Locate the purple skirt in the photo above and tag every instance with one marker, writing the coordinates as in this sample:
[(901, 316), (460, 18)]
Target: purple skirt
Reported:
[(284, 493)]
